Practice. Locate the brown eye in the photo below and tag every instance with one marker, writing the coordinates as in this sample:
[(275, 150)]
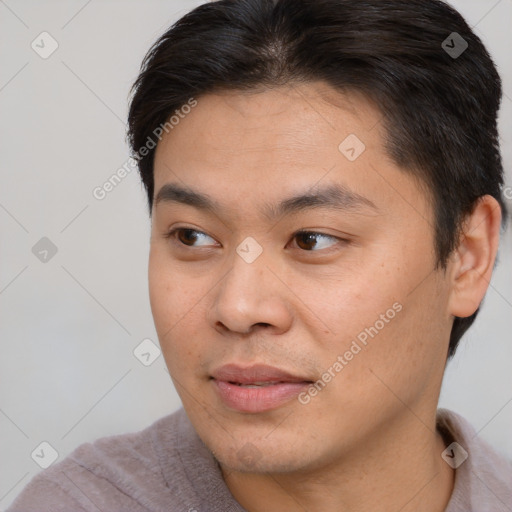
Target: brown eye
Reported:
[(188, 237), (307, 240)]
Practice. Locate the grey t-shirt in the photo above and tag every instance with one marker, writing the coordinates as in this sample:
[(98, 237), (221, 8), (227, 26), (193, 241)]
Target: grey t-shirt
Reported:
[(167, 468)]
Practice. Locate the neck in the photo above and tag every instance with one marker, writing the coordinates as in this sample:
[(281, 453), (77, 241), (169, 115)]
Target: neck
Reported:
[(400, 469)]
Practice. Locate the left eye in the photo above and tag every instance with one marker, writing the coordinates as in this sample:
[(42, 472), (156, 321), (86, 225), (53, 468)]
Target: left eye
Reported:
[(307, 238)]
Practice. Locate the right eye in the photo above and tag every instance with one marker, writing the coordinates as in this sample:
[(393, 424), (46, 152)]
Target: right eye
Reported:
[(187, 236)]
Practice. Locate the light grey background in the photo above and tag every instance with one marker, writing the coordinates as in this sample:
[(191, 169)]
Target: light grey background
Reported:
[(69, 326)]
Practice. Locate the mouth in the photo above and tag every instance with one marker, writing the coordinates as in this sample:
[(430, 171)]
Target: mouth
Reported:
[(256, 388), (257, 384)]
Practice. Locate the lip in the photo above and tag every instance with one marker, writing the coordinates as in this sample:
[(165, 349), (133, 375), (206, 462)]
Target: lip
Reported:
[(279, 387)]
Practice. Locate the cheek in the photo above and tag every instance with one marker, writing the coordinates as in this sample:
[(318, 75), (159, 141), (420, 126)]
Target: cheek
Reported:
[(406, 356), (160, 291), (375, 308), (354, 302), (176, 308), (166, 294)]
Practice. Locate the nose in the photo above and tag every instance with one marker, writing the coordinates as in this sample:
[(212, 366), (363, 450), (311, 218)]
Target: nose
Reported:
[(250, 297)]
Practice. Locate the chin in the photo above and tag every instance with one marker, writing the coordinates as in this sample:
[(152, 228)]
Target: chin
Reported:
[(250, 458), (256, 454)]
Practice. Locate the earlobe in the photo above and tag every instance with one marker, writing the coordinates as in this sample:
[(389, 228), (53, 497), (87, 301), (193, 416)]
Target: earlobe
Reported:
[(472, 262)]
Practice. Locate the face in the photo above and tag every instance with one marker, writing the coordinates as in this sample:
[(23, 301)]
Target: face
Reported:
[(295, 330)]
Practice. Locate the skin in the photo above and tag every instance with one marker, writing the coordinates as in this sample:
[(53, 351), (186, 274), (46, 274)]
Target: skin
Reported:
[(368, 440)]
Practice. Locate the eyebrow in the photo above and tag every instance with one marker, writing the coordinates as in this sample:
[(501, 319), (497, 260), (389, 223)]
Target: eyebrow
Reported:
[(332, 196)]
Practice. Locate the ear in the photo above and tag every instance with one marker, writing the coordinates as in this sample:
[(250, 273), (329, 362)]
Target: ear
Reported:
[(472, 263)]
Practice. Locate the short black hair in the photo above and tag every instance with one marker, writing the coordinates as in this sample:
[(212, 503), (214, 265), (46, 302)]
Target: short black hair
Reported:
[(439, 99)]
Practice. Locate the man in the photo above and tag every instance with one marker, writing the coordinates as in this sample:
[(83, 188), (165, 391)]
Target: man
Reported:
[(326, 204)]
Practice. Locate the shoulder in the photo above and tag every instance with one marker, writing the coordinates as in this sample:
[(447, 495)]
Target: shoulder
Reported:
[(483, 477), (120, 472)]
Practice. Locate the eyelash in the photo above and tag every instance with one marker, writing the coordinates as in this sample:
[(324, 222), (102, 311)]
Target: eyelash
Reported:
[(171, 235)]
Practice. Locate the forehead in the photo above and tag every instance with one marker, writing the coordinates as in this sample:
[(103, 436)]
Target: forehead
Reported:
[(299, 119), (278, 142)]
